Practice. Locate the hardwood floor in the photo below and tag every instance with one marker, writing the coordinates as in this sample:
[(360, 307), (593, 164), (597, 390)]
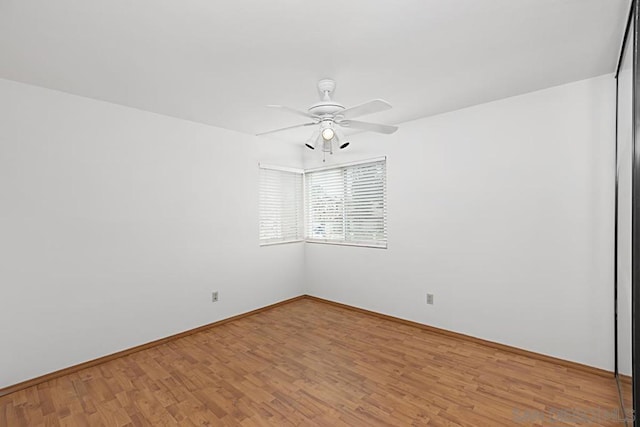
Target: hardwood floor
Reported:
[(311, 363)]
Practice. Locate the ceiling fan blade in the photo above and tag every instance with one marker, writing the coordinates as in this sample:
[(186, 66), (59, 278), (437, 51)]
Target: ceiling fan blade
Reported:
[(373, 127), (374, 106), (293, 111), (287, 128)]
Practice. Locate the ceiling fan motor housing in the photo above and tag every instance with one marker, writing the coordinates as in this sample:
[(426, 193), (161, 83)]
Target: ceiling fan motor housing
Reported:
[(326, 108)]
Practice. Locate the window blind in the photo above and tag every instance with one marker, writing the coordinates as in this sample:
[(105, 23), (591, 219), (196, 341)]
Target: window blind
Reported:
[(281, 206), (348, 204)]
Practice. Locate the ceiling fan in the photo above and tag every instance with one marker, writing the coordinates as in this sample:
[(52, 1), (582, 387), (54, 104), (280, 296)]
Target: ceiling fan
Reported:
[(330, 116)]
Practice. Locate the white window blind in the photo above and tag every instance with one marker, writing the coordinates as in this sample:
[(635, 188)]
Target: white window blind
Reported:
[(281, 206), (348, 204)]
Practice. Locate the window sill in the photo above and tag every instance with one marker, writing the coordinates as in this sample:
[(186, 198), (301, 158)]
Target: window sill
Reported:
[(281, 243), (362, 245)]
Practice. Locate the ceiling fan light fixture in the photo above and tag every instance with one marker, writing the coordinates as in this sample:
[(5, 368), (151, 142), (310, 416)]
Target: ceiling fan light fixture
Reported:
[(328, 134)]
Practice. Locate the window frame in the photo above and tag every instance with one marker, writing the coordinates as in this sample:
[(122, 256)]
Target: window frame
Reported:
[(382, 244)]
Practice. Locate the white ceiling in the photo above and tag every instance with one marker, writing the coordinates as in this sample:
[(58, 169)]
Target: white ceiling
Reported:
[(220, 61)]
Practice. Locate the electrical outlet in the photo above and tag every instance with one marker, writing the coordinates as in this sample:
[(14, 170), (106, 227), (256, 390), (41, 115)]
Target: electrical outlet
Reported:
[(214, 296), (430, 299)]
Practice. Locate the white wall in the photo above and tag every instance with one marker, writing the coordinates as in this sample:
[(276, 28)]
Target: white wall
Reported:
[(505, 212), (116, 224)]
